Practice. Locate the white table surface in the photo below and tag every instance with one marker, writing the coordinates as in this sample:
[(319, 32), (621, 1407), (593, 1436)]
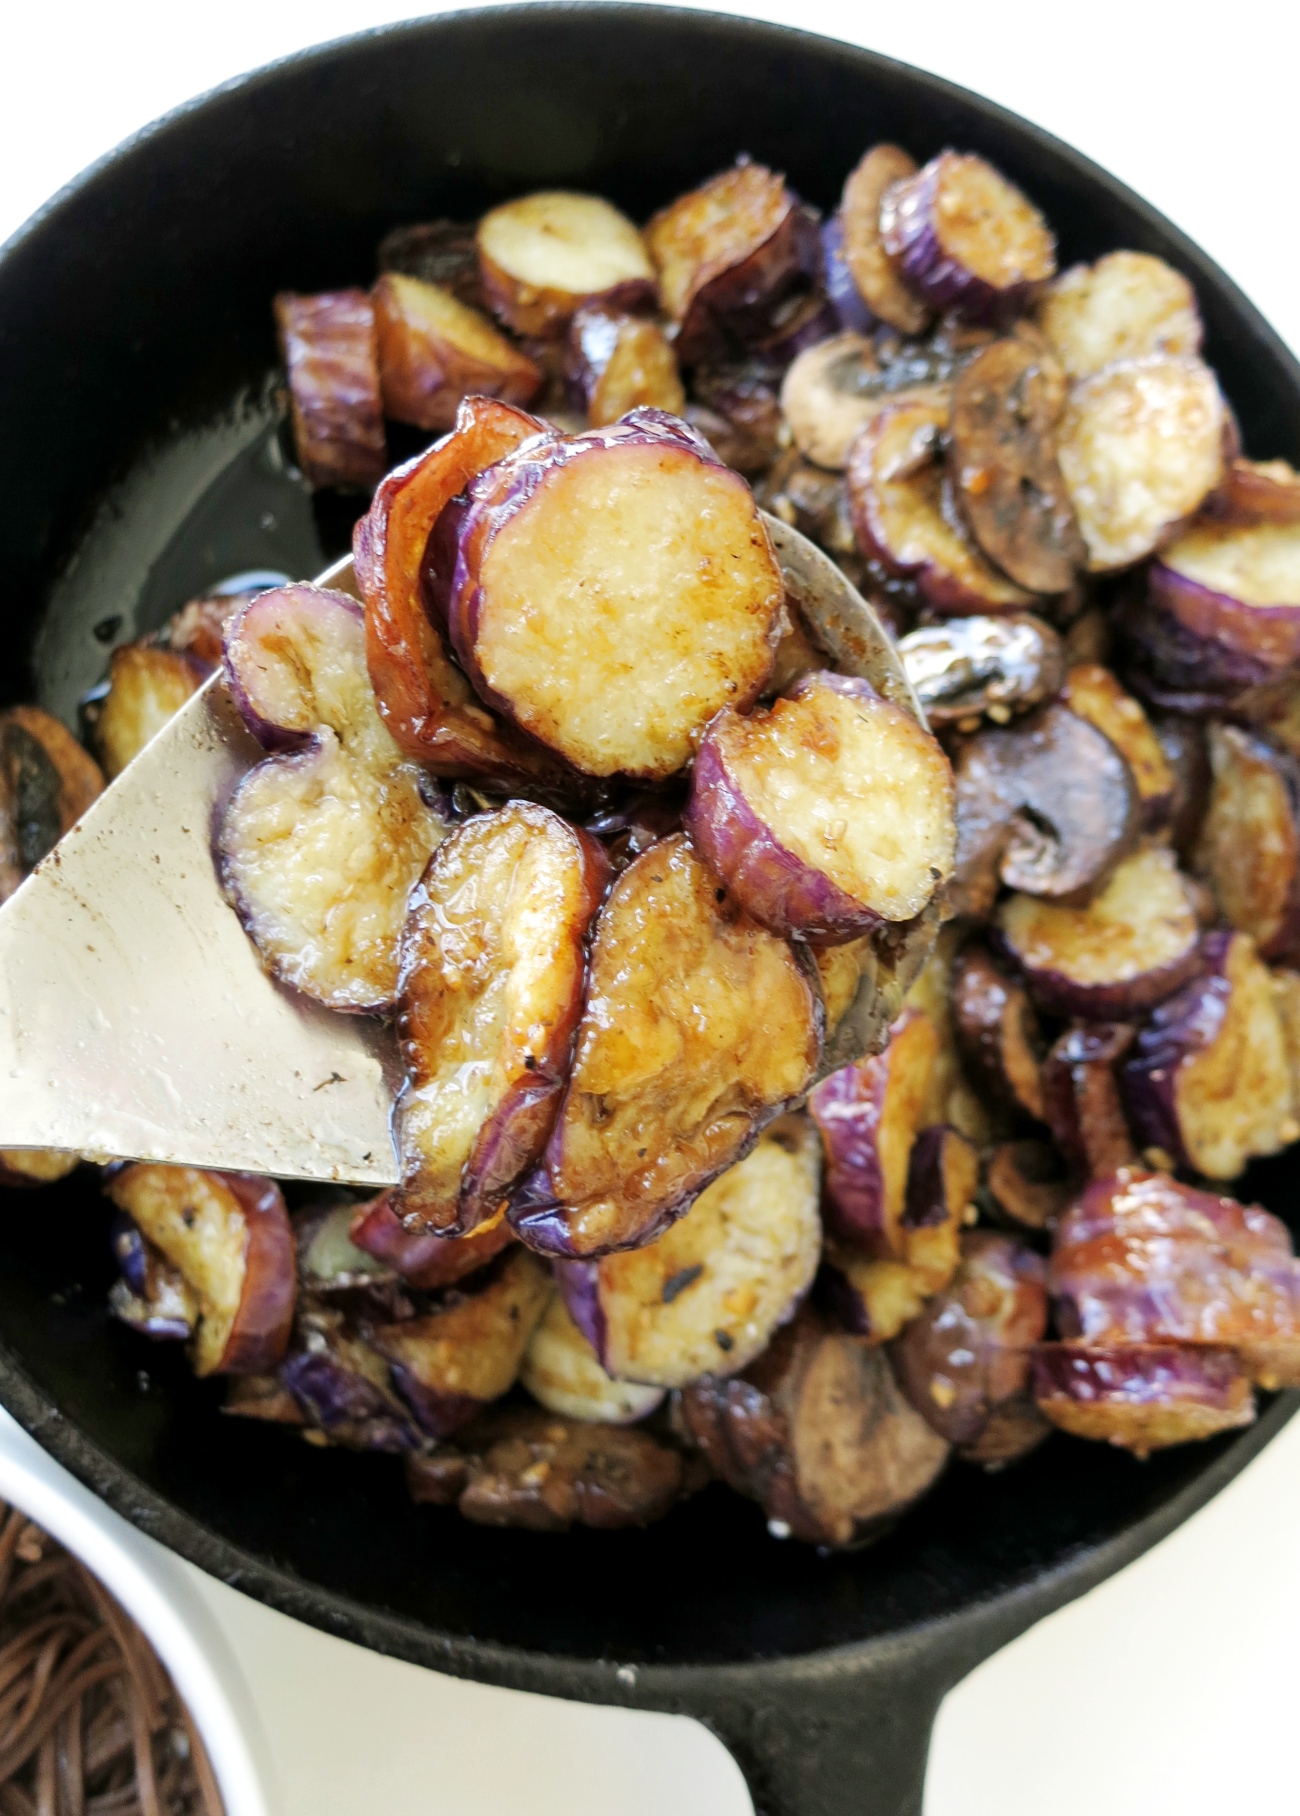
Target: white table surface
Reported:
[(1170, 1688)]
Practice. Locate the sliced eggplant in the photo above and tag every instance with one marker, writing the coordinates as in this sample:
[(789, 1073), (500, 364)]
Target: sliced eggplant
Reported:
[(1049, 807), (868, 1115), (1249, 846), (868, 1297), (422, 1259), (1259, 491), (493, 962), (1133, 945), (36, 1166), (330, 348), (1186, 752), (998, 1031), (966, 240), (851, 310), (896, 494), (543, 256), (1207, 1085), (708, 1295), (321, 843), (617, 665), (870, 266), (1141, 447), (47, 782), (341, 1386), (146, 686), (467, 1351), (524, 1466), (965, 1363), (1223, 608), (726, 253), (827, 814), (152, 1296), (1094, 694), (228, 1235), (673, 1074), (1143, 1259), (1126, 306), (1029, 1183), (943, 1178), (562, 1372), (617, 362), (1006, 406), (437, 252), (818, 1434), (951, 1097), (737, 410), (423, 698), (968, 669), (1082, 1102), (1142, 1399), (435, 351)]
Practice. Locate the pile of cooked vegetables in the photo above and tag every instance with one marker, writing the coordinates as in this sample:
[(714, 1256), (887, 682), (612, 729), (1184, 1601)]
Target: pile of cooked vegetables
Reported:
[(574, 793)]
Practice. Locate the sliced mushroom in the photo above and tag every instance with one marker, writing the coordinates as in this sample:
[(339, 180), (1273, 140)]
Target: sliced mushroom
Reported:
[(1048, 808), (834, 389), (965, 669), (1006, 404)]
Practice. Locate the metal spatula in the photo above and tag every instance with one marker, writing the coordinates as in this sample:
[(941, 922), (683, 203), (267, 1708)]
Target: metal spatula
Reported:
[(135, 1018)]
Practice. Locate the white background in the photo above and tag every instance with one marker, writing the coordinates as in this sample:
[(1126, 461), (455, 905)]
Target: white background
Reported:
[(1174, 1686)]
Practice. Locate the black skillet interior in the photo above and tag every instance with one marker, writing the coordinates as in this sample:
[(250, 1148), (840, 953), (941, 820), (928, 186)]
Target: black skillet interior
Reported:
[(141, 462)]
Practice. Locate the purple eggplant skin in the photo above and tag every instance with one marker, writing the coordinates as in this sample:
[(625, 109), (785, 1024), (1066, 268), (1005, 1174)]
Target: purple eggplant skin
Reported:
[(579, 1284), (855, 314), (489, 509), (801, 321), (336, 1399), (1144, 1397), (1189, 650), (262, 685), (541, 1220), (151, 1296), (1183, 1024), (1266, 635), (437, 1413), (912, 231), (130, 1251), (848, 1108), (795, 899), (789, 895)]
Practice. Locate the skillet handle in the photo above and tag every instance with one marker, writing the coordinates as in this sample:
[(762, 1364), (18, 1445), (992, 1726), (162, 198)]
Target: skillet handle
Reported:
[(836, 1742)]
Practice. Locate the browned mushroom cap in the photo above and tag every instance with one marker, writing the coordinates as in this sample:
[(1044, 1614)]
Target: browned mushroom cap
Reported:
[(524, 1466), (818, 1432), (967, 668), (1002, 456), (1048, 808)]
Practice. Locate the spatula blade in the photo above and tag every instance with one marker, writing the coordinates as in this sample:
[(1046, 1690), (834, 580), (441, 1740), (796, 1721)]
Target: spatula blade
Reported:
[(135, 1018)]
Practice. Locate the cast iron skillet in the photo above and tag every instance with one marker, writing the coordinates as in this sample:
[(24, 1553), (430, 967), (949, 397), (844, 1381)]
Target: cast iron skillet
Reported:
[(139, 463)]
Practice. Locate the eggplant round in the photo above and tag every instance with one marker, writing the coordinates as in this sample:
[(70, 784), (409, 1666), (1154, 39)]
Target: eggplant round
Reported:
[(1134, 944), (1125, 306), (706, 1297), (966, 240), (616, 667), (869, 265), (1142, 1398), (828, 814)]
